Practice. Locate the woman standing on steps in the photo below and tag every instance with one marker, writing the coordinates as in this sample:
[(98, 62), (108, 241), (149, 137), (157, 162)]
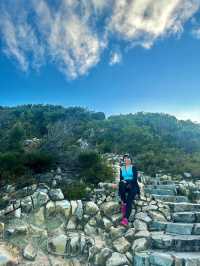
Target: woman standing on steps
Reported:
[(128, 187)]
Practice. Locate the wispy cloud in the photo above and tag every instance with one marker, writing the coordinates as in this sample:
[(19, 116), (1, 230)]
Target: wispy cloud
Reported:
[(20, 41), (141, 22), (115, 58), (73, 34), (195, 28)]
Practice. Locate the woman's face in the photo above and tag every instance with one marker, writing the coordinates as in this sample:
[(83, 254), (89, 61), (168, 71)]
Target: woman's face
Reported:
[(127, 161)]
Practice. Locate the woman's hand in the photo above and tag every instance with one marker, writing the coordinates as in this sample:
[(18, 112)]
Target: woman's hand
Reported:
[(114, 186)]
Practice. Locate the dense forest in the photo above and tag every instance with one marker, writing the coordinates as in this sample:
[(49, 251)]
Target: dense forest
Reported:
[(75, 137)]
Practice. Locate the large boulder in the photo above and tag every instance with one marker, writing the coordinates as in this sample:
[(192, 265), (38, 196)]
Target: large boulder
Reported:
[(139, 244), (90, 230), (63, 207), (73, 248), (102, 256), (110, 208), (39, 199), (116, 232), (117, 259), (58, 244), (56, 194), (91, 208), (121, 245), (140, 225)]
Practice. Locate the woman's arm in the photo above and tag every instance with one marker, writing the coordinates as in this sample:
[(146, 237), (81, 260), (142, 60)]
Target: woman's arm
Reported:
[(121, 177), (135, 172)]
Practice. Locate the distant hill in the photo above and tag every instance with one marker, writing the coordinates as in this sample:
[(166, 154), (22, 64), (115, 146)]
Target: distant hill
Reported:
[(157, 141)]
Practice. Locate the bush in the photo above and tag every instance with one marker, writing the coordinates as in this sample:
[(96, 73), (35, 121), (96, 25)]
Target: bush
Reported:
[(74, 191), (15, 165), (39, 162), (11, 165), (94, 169)]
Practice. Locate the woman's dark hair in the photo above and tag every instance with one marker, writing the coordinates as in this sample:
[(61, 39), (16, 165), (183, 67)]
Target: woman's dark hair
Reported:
[(127, 156)]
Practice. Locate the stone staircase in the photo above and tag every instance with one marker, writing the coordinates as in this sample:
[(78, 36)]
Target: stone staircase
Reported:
[(175, 242), (48, 229)]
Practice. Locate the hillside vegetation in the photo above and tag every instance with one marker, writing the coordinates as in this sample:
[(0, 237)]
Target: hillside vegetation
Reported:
[(75, 138)]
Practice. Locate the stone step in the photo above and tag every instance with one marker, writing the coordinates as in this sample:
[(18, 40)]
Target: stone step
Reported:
[(184, 206), (186, 217), (159, 182), (166, 258), (159, 191), (176, 228), (171, 198), (160, 240), (168, 187)]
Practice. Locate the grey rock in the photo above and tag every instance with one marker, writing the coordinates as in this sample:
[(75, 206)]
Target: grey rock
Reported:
[(50, 208), (179, 228), (58, 244), (90, 230), (102, 256), (140, 225), (157, 216), (143, 234), (110, 208), (107, 223), (121, 245), (141, 259), (39, 199), (56, 194), (72, 223), (161, 259), (117, 259), (79, 210), (185, 217), (139, 244), (29, 252), (130, 234), (116, 232), (63, 207), (143, 216), (91, 208), (26, 204)]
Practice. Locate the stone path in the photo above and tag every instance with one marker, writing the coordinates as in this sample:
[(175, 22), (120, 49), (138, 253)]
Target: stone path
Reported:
[(175, 242), (40, 227)]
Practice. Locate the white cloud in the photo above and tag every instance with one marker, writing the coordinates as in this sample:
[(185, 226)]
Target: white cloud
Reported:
[(115, 58), (196, 32), (193, 115), (143, 21), (73, 33), (195, 28), (20, 40), (67, 38), (71, 43)]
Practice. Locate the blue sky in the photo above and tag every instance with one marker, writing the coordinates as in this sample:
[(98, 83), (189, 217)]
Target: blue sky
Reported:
[(118, 58)]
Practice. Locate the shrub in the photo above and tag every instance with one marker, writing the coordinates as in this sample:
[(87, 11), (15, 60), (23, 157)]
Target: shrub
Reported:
[(39, 162), (74, 191), (11, 165), (94, 169)]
